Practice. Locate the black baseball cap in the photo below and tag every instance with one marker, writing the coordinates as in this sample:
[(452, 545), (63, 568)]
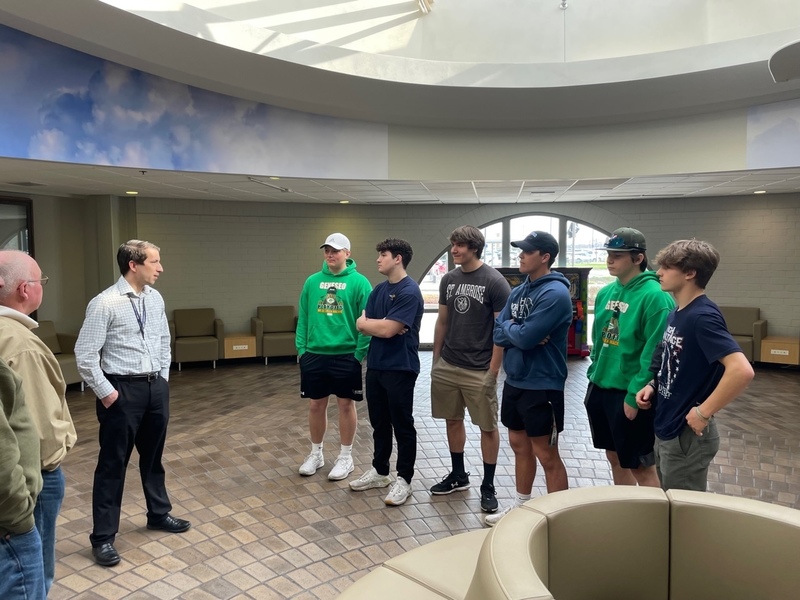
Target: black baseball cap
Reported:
[(538, 240)]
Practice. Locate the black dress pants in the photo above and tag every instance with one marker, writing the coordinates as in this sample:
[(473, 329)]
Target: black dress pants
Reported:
[(137, 418), (390, 400)]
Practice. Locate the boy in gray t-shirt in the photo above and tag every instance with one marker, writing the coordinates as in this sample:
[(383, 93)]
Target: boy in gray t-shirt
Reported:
[(465, 360)]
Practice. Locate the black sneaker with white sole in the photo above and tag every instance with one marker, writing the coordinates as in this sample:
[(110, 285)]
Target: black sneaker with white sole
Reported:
[(451, 483), (488, 498)]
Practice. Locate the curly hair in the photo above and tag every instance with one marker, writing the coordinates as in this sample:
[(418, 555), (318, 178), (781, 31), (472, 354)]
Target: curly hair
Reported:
[(398, 248)]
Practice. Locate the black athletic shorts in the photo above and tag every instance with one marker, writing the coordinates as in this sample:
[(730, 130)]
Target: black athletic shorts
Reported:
[(611, 430), (322, 375), (535, 411)]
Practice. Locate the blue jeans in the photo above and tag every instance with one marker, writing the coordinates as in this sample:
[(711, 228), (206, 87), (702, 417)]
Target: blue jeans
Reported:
[(21, 569), (48, 504)]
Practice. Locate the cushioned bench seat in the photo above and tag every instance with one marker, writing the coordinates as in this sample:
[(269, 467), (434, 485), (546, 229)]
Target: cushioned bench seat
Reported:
[(435, 571), (608, 543)]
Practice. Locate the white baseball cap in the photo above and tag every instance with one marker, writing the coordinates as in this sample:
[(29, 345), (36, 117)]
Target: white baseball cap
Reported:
[(337, 241)]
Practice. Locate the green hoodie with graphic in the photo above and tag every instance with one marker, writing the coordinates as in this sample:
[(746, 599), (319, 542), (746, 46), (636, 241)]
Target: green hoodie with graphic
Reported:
[(629, 321), (329, 305)]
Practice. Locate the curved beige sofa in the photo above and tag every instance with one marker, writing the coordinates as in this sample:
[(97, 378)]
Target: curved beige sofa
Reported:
[(607, 543)]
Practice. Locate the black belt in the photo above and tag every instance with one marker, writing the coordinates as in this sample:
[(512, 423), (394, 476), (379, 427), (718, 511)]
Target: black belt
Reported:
[(139, 377)]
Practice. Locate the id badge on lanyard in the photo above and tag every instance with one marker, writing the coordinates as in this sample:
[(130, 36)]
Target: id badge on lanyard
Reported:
[(141, 319)]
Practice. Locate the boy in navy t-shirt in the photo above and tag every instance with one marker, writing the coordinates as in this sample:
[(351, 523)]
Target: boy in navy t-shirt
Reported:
[(392, 317), (700, 369)]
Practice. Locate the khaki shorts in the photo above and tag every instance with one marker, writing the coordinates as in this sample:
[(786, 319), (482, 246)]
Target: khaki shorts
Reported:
[(453, 388)]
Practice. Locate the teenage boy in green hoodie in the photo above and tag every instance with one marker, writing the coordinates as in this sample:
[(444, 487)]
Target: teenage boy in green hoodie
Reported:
[(331, 350), (630, 317)]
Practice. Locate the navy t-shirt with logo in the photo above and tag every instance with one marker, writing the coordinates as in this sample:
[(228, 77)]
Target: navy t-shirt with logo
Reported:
[(401, 302), (695, 340)]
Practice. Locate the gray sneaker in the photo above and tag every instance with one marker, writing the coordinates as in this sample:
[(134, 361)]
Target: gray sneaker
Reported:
[(370, 479)]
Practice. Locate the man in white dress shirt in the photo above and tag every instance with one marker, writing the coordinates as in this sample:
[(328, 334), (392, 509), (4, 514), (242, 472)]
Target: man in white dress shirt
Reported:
[(123, 354)]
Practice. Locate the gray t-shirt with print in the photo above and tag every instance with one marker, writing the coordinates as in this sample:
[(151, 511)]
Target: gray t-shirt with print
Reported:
[(471, 299)]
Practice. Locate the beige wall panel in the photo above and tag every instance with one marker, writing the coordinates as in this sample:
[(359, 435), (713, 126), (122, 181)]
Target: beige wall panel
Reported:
[(60, 251), (715, 142)]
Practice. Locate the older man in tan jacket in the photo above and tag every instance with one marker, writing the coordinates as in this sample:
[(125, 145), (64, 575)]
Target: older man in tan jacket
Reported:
[(43, 385)]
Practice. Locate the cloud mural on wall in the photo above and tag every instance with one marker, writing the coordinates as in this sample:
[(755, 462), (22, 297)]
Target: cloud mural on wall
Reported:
[(773, 135), (67, 106)]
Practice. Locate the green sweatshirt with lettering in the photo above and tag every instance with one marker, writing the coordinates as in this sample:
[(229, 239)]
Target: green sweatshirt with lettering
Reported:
[(629, 321), (329, 305)]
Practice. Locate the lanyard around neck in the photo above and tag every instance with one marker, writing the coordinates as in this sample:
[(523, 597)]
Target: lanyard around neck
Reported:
[(140, 318)]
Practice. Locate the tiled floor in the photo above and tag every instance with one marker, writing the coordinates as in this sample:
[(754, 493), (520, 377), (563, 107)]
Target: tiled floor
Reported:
[(260, 530)]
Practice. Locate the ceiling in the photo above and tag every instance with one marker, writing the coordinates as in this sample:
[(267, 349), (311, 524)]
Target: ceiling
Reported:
[(42, 178), (266, 66)]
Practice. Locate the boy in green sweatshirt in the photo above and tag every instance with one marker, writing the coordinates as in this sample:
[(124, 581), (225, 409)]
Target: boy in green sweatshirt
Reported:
[(331, 350), (630, 316)]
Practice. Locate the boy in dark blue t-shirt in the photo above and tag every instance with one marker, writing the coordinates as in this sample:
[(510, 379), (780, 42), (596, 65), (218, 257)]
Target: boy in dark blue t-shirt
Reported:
[(392, 317), (700, 369)]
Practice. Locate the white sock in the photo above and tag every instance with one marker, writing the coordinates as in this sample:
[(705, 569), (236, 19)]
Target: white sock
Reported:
[(316, 448), (346, 450), (522, 499)]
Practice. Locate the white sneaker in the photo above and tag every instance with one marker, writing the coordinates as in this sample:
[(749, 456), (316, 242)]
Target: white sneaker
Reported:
[(399, 493), (312, 462), (370, 479), (493, 519), (341, 468)]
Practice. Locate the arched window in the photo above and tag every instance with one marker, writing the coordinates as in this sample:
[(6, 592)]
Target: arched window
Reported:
[(580, 243)]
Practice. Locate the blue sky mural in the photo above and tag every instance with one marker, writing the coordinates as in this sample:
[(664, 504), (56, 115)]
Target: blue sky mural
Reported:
[(62, 105)]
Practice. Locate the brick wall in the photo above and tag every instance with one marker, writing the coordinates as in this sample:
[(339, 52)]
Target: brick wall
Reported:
[(235, 256)]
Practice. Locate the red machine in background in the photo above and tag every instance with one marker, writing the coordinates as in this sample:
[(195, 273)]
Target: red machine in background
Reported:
[(577, 338)]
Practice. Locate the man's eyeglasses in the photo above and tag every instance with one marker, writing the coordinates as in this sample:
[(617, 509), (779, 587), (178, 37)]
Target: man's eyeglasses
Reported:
[(42, 281)]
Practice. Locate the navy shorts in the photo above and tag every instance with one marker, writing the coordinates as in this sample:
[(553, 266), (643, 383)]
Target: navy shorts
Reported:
[(322, 375), (611, 430), (535, 411)]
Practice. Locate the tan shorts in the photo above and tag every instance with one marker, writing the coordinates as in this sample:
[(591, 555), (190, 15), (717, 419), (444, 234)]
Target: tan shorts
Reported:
[(453, 388)]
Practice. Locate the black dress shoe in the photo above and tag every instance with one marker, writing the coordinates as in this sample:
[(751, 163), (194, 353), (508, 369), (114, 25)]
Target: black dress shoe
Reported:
[(170, 524), (105, 555)]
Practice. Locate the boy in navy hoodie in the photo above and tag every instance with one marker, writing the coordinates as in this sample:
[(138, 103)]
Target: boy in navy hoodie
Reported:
[(532, 329)]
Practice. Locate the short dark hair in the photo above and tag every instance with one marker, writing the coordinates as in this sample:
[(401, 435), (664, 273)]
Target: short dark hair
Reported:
[(398, 248), (133, 250), (471, 236), (643, 264), (691, 255)]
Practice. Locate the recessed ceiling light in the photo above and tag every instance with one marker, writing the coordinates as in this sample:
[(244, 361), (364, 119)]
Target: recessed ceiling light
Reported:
[(132, 193), (344, 201), (274, 177), (760, 192)]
